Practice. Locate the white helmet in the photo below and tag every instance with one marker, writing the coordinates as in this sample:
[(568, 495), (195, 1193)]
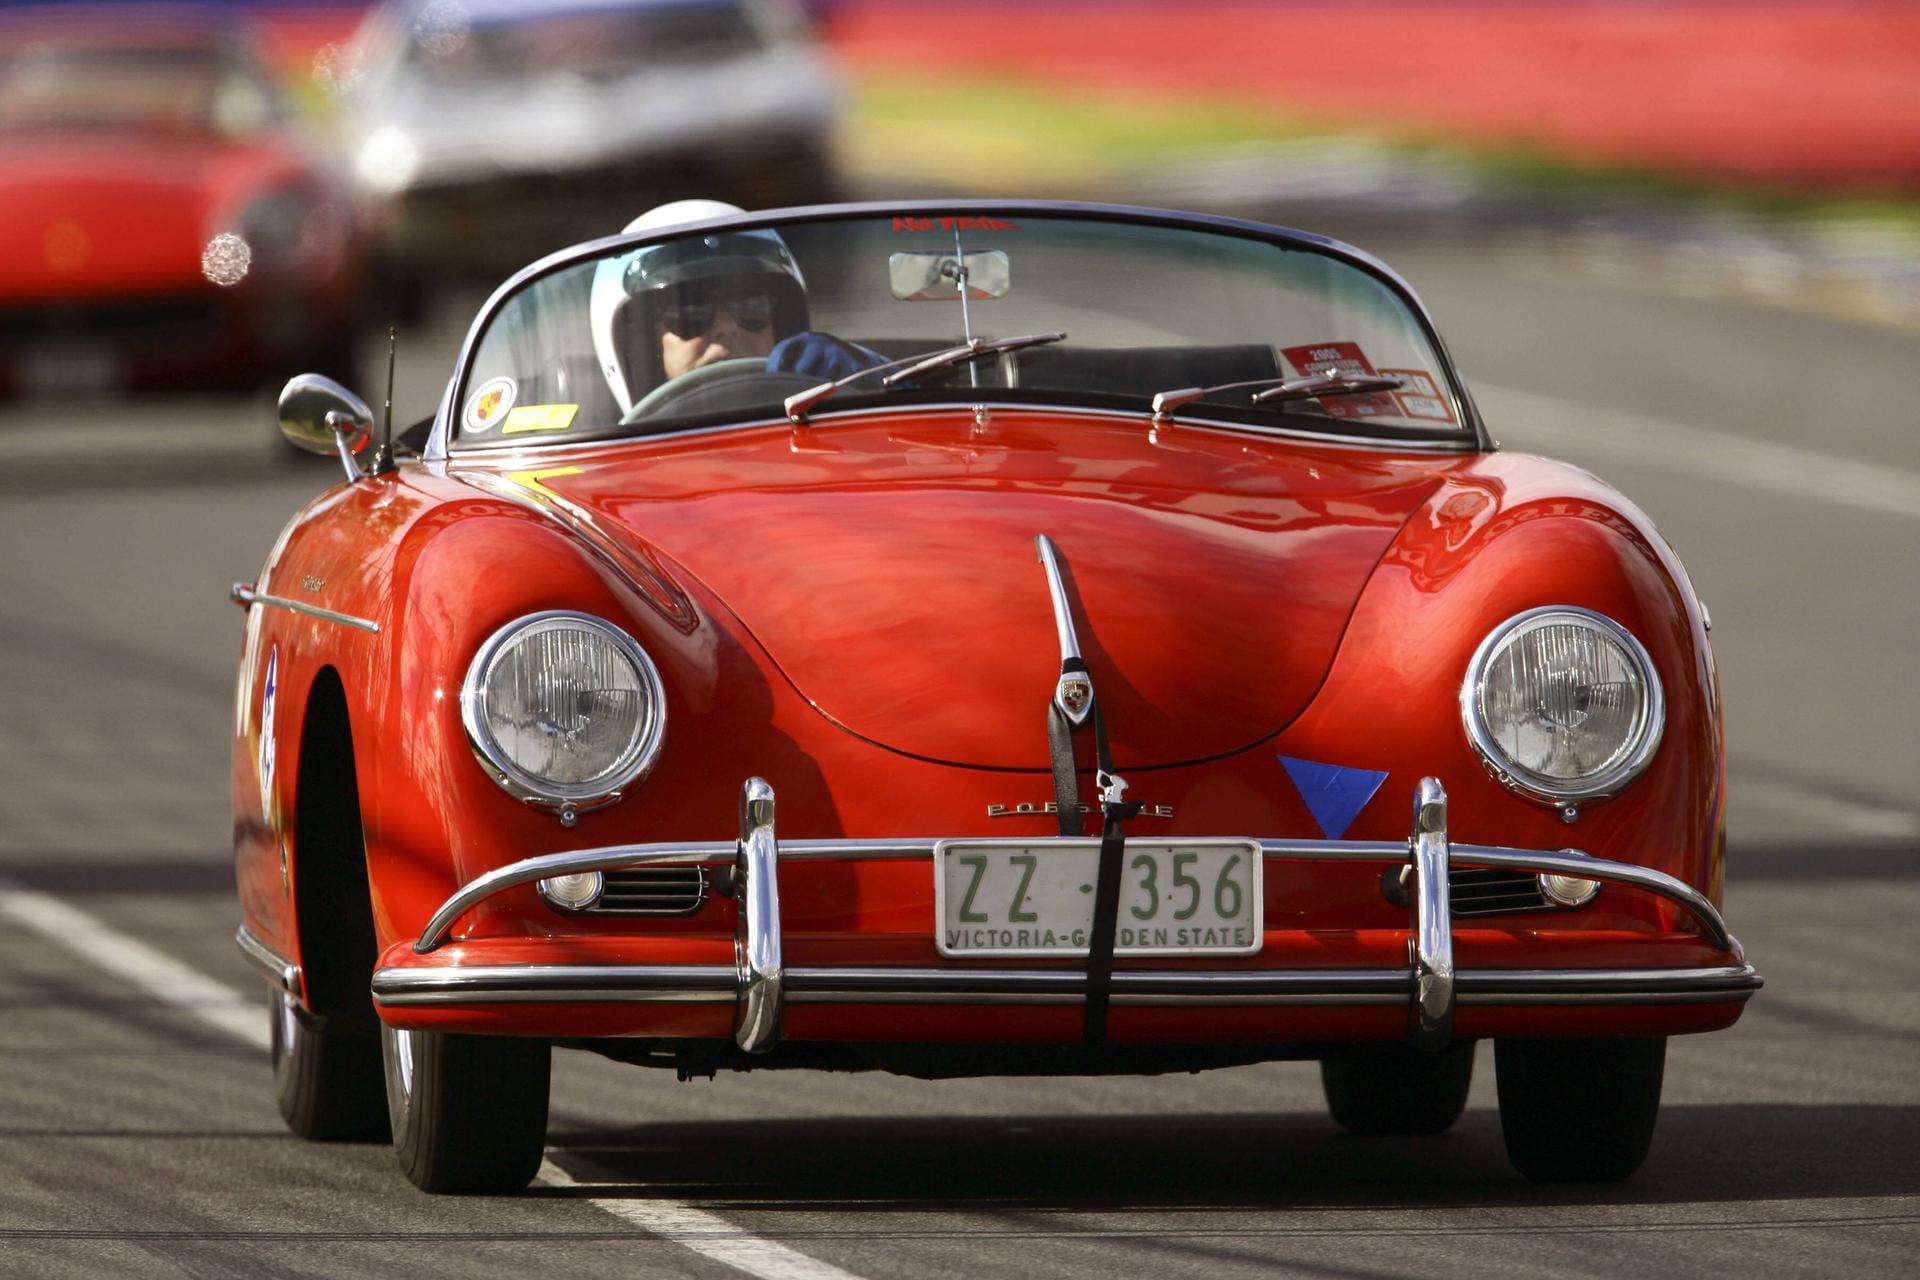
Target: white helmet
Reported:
[(625, 287)]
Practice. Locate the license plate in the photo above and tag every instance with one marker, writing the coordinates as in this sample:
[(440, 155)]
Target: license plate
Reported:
[(1177, 897)]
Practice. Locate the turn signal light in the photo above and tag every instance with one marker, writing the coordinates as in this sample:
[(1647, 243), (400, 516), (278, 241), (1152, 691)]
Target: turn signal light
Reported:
[(1568, 891), (576, 892)]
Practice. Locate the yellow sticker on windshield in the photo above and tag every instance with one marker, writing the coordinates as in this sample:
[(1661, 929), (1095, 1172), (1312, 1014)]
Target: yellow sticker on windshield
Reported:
[(540, 417)]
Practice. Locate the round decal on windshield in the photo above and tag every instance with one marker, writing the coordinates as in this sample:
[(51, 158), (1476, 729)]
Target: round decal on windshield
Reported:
[(489, 404)]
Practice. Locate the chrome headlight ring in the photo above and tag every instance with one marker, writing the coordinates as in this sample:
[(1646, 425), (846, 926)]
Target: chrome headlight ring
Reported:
[(607, 786), (1627, 763)]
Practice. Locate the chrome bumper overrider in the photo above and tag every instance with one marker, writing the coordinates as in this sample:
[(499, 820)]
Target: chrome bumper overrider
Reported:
[(759, 984)]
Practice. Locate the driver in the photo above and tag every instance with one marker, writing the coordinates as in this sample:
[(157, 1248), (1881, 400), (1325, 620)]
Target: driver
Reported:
[(668, 309)]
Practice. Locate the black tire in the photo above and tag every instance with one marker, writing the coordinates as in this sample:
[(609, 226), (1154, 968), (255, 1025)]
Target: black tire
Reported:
[(1579, 1110), (1397, 1089), (327, 1083), (469, 1113), (326, 1056)]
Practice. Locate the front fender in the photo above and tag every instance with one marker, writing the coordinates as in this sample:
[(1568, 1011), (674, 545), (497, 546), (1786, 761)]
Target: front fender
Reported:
[(434, 818), (1510, 534)]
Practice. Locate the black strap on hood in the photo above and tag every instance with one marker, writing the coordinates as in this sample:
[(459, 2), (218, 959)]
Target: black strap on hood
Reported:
[(1114, 811)]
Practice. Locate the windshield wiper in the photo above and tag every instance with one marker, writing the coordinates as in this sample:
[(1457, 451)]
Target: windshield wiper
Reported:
[(909, 367), (1280, 389)]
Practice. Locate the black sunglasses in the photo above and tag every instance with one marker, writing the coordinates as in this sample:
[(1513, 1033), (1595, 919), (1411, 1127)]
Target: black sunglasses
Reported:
[(687, 310)]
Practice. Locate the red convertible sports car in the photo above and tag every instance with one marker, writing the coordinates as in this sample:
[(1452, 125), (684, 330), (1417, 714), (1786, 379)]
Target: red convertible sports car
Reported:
[(970, 639), (163, 223)]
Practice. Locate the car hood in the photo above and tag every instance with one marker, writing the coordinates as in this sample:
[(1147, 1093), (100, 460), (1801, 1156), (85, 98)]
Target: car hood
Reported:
[(889, 568), (87, 214)]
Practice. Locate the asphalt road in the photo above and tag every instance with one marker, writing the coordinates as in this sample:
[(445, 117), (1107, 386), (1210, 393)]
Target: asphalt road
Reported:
[(137, 1130)]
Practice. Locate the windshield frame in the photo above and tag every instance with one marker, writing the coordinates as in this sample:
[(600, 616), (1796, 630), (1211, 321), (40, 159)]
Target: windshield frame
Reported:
[(1470, 437)]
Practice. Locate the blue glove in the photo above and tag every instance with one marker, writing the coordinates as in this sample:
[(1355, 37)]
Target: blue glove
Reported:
[(822, 356)]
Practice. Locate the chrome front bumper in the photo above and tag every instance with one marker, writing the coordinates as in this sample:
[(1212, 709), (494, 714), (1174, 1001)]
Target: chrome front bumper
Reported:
[(760, 984)]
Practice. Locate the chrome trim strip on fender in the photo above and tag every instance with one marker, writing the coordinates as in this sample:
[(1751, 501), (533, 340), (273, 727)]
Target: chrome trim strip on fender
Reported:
[(243, 593), (1431, 1017), (716, 984), (273, 966)]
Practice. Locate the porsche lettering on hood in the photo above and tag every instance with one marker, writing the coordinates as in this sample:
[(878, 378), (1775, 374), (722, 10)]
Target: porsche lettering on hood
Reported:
[(1213, 582)]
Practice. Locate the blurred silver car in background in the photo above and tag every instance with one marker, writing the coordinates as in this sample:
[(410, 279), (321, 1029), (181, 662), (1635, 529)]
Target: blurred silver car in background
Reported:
[(485, 133)]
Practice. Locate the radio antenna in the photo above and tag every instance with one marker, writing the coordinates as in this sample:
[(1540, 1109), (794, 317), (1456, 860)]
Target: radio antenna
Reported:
[(384, 459)]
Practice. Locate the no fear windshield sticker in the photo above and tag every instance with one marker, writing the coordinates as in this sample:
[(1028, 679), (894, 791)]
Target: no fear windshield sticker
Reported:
[(967, 222)]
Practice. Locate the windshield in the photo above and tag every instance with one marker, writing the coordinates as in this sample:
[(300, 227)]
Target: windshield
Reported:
[(727, 325)]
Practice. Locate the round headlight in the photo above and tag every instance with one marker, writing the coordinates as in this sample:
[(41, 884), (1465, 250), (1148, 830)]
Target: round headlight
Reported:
[(563, 708), (1563, 704)]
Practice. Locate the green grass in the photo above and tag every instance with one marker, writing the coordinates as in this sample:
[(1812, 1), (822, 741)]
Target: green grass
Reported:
[(1004, 136)]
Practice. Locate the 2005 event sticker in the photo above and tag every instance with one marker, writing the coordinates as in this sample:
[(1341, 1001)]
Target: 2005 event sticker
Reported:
[(1348, 358)]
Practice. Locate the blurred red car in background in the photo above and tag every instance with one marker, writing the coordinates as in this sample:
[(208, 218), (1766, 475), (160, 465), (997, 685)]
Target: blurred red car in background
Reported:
[(164, 222)]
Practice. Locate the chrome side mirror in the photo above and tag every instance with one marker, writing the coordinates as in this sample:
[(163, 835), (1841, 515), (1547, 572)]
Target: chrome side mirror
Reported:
[(321, 416)]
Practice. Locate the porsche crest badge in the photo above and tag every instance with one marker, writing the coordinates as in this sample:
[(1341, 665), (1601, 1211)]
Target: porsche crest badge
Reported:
[(1074, 693)]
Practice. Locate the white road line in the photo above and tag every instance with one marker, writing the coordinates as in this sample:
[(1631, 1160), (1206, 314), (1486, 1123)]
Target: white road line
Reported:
[(1527, 420), (220, 1006), (136, 963), (707, 1235)]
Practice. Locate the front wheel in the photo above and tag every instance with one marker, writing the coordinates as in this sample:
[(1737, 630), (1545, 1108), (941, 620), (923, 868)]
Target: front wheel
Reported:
[(469, 1113), (325, 1080), (1397, 1089), (1579, 1110)]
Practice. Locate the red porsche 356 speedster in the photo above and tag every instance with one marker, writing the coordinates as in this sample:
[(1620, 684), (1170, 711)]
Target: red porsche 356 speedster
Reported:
[(973, 639)]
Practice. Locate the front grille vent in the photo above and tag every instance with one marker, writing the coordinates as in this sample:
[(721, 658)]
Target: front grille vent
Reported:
[(653, 891), (1489, 891)]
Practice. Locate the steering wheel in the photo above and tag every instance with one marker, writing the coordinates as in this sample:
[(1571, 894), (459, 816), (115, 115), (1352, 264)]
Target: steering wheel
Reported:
[(747, 383)]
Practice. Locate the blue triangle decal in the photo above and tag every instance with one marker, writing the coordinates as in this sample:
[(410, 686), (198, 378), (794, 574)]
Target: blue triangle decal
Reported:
[(1335, 795)]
